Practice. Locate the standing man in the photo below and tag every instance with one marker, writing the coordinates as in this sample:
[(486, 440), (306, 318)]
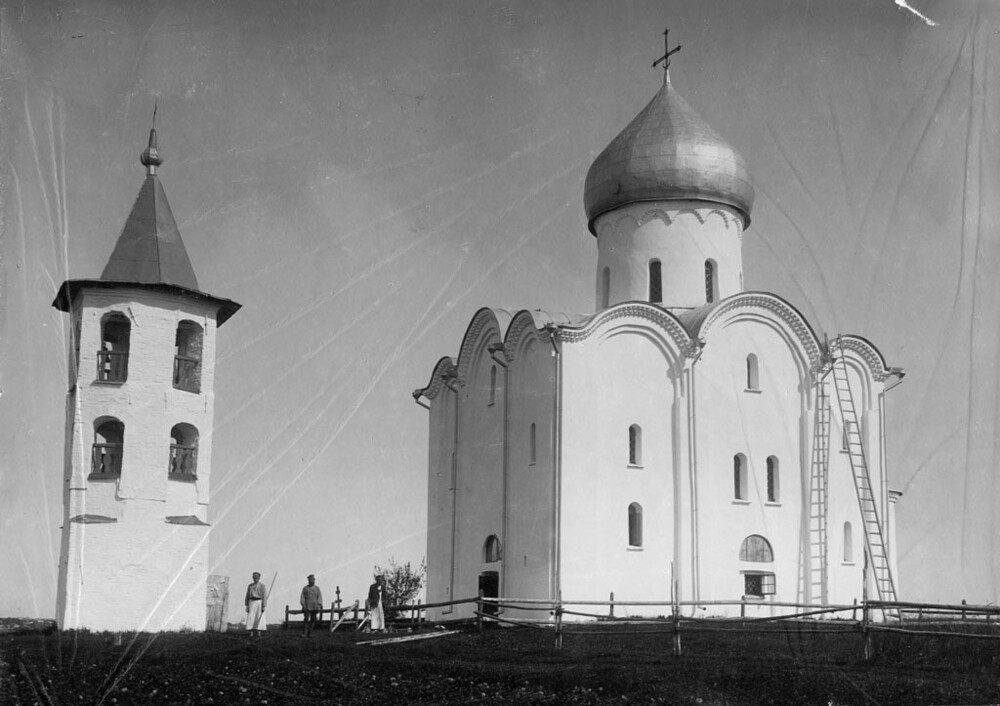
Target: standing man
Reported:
[(376, 592), (256, 602), (311, 600)]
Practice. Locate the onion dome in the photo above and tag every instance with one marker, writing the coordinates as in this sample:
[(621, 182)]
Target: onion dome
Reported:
[(668, 152)]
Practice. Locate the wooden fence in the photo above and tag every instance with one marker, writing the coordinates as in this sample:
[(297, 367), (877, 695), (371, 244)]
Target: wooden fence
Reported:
[(929, 619)]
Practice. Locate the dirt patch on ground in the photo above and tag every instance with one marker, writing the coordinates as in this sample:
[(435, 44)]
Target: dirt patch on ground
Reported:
[(496, 666)]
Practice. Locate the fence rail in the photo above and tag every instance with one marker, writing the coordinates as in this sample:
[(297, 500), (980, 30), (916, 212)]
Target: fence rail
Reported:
[(949, 620)]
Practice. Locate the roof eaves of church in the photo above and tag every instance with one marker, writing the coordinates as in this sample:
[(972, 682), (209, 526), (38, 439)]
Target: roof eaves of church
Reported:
[(69, 290), (445, 367)]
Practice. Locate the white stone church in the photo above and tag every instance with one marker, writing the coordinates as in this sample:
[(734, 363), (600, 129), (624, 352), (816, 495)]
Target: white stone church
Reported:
[(139, 415), (686, 437)]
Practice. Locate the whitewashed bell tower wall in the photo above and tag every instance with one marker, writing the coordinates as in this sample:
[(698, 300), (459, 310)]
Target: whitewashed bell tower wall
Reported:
[(682, 236), (135, 544)]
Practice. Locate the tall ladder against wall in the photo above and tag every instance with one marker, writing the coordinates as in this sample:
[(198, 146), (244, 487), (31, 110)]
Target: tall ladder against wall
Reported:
[(878, 556), (818, 496)]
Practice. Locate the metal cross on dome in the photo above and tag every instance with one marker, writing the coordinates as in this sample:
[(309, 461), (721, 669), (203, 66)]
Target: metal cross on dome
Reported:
[(668, 52)]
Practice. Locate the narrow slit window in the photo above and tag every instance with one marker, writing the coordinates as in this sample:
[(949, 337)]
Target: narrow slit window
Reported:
[(635, 445), (739, 477), (848, 543), (655, 282), (532, 444), (635, 525), (753, 373), (711, 281), (773, 487)]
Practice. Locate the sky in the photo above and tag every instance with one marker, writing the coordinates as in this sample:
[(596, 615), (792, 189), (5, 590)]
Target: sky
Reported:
[(363, 176)]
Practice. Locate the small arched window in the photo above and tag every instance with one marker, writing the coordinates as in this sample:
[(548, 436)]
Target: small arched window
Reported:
[(635, 445), (493, 384), (183, 463), (848, 543), (605, 287), (635, 525), (112, 359), (753, 378), (739, 477), (188, 344), (756, 548), (655, 282), (773, 483), (711, 281), (109, 444), (491, 549), (532, 444)]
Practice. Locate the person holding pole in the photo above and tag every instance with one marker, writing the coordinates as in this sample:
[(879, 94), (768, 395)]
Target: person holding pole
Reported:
[(255, 603), (376, 615), (311, 600)]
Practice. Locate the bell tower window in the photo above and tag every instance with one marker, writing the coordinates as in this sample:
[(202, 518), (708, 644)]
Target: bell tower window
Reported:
[(188, 345), (112, 359), (183, 453), (106, 454)]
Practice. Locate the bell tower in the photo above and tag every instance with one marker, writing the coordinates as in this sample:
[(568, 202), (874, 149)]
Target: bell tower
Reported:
[(139, 414)]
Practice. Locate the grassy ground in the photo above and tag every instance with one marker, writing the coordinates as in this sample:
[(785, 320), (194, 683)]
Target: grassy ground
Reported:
[(497, 666)]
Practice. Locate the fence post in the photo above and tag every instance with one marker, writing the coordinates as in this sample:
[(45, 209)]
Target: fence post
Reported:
[(675, 609), (866, 633), (285, 626), (611, 612), (479, 611), (743, 607), (854, 611), (559, 614), (337, 602), (963, 608)]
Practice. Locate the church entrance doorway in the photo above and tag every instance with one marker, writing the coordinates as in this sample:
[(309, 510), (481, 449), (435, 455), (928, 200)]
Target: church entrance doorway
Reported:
[(489, 587)]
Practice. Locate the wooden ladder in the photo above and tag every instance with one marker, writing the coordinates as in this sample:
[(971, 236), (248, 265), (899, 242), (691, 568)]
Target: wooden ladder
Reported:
[(878, 555), (819, 498)]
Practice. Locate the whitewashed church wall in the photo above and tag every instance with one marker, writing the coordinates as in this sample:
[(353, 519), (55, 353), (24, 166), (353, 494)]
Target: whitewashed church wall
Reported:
[(479, 483), (733, 419), (528, 551), (682, 235), (439, 500), (611, 382)]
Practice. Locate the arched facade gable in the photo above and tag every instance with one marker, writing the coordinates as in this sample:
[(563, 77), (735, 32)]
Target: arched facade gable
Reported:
[(872, 357), (444, 368), (794, 326), (658, 324), (701, 214), (525, 326), (486, 325)]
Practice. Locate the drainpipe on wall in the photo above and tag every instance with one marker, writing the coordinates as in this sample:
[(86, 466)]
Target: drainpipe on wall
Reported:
[(447, 379), (493, 350), (556, 580)]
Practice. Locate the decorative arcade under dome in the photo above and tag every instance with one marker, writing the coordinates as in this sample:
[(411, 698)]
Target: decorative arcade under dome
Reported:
[(139, 429)]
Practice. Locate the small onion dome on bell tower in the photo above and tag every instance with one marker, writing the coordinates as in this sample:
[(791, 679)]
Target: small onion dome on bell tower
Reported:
[(150, 157), (667, 153)]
